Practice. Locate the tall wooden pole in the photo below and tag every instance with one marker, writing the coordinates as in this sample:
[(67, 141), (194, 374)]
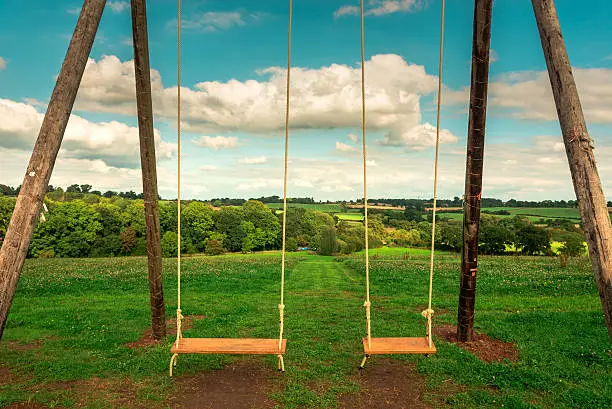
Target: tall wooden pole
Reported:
[(481, 45), (587, 185), (27, 209), (149, 171)]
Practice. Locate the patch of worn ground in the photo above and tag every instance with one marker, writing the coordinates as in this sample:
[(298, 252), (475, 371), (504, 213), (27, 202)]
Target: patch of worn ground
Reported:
[(387, 383), (147, 340), (243, 384), (483, 346)]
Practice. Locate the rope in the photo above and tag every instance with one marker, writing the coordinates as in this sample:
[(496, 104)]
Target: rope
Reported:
[(179, 315), (281, 306), (429, 312), (367, 303)]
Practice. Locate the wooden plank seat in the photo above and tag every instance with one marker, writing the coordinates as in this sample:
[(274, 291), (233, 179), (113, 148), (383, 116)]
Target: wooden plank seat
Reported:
[(388, 346), (229, 346)]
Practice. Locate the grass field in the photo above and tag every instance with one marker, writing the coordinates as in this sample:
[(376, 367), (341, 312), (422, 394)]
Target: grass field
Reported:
[(328, 208), (533, 214), (71, 320), (353, 216)]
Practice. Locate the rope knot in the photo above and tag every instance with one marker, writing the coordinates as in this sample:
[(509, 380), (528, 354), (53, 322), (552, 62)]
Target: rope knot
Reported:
[(281, 307), (179, 314), (367, 304), (427, 313)]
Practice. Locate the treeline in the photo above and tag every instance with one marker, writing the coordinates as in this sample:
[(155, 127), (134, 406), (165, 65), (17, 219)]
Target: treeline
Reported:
[(418, 204), (116, 226), (421, 204)]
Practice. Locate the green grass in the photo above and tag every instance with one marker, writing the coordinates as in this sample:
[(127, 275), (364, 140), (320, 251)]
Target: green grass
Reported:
[(533, 214), (323, 207), (81, 313), (354, 217)]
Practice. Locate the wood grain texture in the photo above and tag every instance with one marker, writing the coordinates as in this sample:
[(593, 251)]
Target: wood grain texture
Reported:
[(256, 346), (481, 48), (142, 69), (32, 192), (389, 346), (579, 149)]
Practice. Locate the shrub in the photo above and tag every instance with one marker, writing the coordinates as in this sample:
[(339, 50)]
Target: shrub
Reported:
[(169, 244), (46, 254), (329, 244), (214, 247), (291, 244)]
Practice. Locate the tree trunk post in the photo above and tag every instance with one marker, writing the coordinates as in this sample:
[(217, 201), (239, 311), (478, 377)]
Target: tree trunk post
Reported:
[(27, 208), (481, 45), (142, 71), (578, 147)]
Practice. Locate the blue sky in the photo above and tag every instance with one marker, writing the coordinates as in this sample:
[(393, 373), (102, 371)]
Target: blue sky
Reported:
[(233, 61)]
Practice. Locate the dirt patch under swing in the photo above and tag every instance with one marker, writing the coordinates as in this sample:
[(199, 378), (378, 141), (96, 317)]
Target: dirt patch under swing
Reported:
[(387, 383), (483, 346), (243, 384), (147, 340)]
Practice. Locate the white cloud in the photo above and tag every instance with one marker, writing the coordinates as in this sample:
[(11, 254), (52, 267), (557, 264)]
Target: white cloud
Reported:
[(257, 160), (118, 6), (213, 21), (493, 56), (354, 138), (418, 136), (346, 11), (208, 168), (343, 147), (2, 64), (217, 142), (382, 7), (115, 143), (323, 98), (259, 184), (527, 95), (510, 162)]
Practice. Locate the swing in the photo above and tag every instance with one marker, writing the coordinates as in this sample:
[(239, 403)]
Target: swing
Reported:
[(413, 345), (260, 346)]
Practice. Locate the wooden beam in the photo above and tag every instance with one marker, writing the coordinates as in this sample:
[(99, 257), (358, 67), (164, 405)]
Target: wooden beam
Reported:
[(142, 71), (578, 147), (481, 46), (27, 208)]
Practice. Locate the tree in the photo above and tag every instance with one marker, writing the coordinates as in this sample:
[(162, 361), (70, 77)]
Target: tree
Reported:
[(229, 223), (214, 247), (197, 223), (169, 244), (73, 189), (573, 245), (329, 244), (128, 239), (493, 237), (85, 188), (533, 240), (264, 220), (70, 230)]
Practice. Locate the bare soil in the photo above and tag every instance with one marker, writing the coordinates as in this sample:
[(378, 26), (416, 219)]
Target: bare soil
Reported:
[(387, 383), (244, 384), (31, 405), (5, 376), (147, 340), (483, 346)]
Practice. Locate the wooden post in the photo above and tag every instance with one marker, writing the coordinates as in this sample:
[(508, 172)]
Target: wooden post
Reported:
[(149, 171), (587, 185), (27, 209), (481, 45)]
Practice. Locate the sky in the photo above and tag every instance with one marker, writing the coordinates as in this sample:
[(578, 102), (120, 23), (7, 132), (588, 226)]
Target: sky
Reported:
[(233, 85)]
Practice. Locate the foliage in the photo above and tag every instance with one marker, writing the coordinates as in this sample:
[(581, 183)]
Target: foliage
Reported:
[(128, 239), (329, 244), (291, 244), (533, 240), (493, 237), (573, 246), (169, 244), (214, 247)]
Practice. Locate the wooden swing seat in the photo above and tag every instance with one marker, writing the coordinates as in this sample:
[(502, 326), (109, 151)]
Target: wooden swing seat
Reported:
[(387, 346), (258, 346)]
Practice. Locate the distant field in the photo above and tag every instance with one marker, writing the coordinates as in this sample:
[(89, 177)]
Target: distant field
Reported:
[(533, 214), (324, 207), (355, 217)]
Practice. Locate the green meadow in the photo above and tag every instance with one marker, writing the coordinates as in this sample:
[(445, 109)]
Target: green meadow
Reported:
[(72, 319)]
